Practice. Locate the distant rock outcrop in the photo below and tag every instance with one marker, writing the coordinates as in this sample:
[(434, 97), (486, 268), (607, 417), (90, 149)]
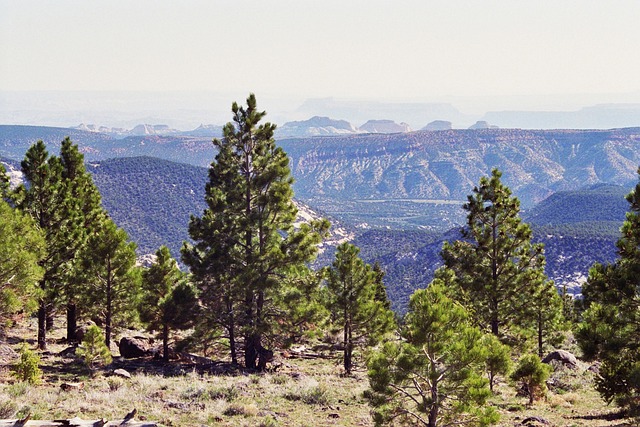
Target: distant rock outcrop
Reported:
[(438, 125), (481, 124), (385, 126), (315, 126)]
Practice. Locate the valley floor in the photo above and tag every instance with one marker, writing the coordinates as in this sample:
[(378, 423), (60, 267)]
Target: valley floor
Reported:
[(306, 390)]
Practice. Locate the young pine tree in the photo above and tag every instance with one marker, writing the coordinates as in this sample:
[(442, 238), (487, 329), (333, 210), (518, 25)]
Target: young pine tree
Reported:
[(168, 300), (352, 288), (433, 377), (113, 280)]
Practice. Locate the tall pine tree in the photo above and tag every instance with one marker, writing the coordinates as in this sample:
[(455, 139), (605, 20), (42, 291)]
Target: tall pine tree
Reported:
[(245, 239), (497, 268), (43, 197)]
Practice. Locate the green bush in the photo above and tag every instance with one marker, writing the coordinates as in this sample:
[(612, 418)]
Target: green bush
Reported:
[(26, 368), (93, 348)]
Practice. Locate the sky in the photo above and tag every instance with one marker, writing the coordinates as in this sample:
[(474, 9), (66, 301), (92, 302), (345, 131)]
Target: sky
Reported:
[(427, 50)]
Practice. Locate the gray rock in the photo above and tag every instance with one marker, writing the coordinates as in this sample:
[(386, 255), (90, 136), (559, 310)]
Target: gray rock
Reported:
[(562, 356), (122, 373)]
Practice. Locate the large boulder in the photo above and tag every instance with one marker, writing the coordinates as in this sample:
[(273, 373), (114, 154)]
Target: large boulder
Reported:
[(134, 347), (561, 356)]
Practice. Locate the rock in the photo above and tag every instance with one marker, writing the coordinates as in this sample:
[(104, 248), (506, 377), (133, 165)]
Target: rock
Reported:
[(438, 125), (82, 330), (122, 373), (72, 386), (562, 356), (133, 347), (68, 352), (595, 368), (534, 421)]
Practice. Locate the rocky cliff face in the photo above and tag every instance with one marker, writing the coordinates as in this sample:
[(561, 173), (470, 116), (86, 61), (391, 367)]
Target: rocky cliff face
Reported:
[(446, 165)]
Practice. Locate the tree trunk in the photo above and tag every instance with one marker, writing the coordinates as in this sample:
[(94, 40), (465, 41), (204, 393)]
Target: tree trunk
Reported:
[(49, 322), (72, 323), (435, 406), (231, 326), (107, 322), (540, 334), (348, 347), (42, 326), (165, 342)]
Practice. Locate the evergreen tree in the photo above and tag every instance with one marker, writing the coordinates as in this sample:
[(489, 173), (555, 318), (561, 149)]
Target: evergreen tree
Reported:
[(547, 310), (533, 374), (497, 268), (498, 358), (610, 330), (113, 280), (86, 213), (353, 287), (4, 183), (169, 300), (59, 194), (433, 377), (44, 199), (22, 248), (245, 239)]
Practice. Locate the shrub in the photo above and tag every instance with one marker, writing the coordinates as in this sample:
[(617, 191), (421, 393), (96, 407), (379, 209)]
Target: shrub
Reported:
[(532, 373), (93, 349), (26, 369)]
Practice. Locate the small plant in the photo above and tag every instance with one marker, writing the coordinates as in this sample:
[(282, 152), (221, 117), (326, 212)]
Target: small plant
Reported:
[(93, 349), (315, 395), (114, 383), (533, 374), (26, 369), (7, 408)]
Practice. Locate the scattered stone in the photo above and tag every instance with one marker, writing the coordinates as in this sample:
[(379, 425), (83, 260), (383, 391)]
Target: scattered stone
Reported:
[(72, 386), (562, 356), (133, 347), (595, 368), (68, 352), (334, 415), (534, 421), (122, 373)]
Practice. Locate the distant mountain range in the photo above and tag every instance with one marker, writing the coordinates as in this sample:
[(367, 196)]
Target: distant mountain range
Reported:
[(431, 169)]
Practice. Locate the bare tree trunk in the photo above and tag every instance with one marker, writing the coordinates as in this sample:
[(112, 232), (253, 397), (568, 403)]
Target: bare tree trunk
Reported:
[(42, 326), (72, 323), (165, 342), (107, 323)]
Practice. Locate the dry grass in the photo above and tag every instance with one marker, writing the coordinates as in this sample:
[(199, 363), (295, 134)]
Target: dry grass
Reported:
[(304, 392)]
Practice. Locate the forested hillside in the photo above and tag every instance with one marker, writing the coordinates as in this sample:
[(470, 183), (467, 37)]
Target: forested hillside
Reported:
[(152, 199)]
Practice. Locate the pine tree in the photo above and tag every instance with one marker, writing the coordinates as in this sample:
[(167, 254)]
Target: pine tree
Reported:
[(353, 287), (44, 199), (245, 239), (85, 207), (60, 196), (497, 268), (610, 330), (113, 280), (22, 248), (169, 300), (433, 377)]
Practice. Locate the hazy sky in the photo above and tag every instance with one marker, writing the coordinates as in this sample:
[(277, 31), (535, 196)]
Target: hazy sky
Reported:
[(414, 49)]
